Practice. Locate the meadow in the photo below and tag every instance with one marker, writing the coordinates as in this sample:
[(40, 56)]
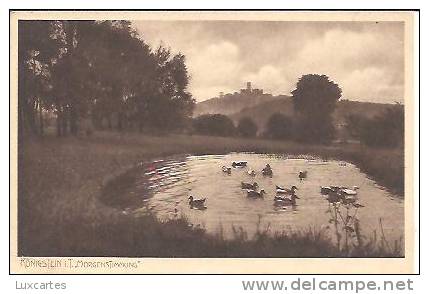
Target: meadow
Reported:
[(60, 212)]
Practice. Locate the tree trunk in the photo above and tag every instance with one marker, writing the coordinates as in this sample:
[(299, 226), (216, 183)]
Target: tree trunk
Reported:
[(41, 122), (59, 124), (73, 121), (21, 117), (31, 109), (64, 122), (22, 101)]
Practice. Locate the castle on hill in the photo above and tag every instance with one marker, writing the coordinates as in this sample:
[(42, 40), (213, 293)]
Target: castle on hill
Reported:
[(248, 91)]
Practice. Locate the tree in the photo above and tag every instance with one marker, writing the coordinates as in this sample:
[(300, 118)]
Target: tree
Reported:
[(101, 70), (36, 52), (279, 126), (383, 130), (214, 125), (246, 127), (314, 100), (171, 104)]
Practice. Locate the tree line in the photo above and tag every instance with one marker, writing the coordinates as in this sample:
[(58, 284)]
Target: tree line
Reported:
[(314, 100), (100, 72)]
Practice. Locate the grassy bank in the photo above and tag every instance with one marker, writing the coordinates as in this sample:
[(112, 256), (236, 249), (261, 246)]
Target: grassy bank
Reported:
[(60, 213)]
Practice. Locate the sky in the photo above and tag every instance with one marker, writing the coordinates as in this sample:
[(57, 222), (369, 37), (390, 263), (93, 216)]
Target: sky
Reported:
[(366, 59)]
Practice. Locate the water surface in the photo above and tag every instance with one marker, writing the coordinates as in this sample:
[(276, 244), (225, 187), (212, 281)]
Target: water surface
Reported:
[(165, 185)]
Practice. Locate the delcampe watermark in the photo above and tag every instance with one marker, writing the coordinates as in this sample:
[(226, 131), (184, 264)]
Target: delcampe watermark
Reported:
[(314, 284)]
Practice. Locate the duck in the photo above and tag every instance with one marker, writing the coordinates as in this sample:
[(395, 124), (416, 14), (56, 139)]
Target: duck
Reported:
[(253, 186), (267, 171), (285, 200), (334, 197), (349, 191), (325, 190), (302, 175), (226, 170), (197, 203), (251, 173), (348, 195), (282, 190), (239, 163), (255, 194)]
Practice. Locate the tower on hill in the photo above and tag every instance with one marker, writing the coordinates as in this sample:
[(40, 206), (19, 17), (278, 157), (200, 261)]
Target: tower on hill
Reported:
[(249, 90)]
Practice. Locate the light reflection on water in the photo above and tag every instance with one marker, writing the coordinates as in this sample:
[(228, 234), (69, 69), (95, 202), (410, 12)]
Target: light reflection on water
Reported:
[(165, 186)]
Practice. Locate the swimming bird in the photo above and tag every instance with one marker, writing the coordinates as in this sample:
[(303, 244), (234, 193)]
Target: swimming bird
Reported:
[(282, 190), (325, 190), (255, 194), (239, 163), (253, 186), (340, 194), (348, 191), (302, 175), (267, 171), (226, 170), (251, 172), (285, 200), (348, 195), (197, 203), (334, 197)]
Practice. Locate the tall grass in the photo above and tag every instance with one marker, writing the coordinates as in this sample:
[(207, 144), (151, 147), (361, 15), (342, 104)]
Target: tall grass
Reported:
[(60, 214)]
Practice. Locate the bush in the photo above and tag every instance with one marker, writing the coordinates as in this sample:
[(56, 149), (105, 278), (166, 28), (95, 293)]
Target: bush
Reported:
[(384, 130), (312, 131), (246, 127), (214, 125), (279, 126)]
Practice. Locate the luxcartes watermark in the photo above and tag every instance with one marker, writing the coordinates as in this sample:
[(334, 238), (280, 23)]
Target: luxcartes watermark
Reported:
[(40, 285)]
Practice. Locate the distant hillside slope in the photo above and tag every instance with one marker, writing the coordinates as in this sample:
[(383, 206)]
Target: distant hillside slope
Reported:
[(231, 103), (260, 113)]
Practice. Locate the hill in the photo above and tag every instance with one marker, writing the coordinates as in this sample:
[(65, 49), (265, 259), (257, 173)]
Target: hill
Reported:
[(260, 113), (231, 103)]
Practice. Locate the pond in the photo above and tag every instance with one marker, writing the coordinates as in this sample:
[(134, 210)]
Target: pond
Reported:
[(163, 188)]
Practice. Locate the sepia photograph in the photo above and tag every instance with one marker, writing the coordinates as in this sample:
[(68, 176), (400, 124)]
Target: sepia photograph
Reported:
[(210, 140)]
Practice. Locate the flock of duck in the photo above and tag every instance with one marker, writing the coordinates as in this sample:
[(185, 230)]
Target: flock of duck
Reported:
[(284, 196)]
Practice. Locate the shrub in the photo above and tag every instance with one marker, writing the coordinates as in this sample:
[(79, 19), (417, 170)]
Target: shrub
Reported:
[(384, 130), (214, 125), (279, 126), (246, 127)]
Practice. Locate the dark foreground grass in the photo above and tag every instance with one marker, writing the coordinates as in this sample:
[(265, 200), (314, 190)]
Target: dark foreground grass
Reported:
[(60, 212)]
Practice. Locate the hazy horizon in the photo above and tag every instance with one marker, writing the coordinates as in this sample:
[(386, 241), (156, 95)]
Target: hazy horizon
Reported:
[(366, 59)]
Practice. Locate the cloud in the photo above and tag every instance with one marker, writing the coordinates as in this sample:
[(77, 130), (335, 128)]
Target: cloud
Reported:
[(268, 77), (371, 84), (365, 58), (211, 68), (362, 63), (214, 63)]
